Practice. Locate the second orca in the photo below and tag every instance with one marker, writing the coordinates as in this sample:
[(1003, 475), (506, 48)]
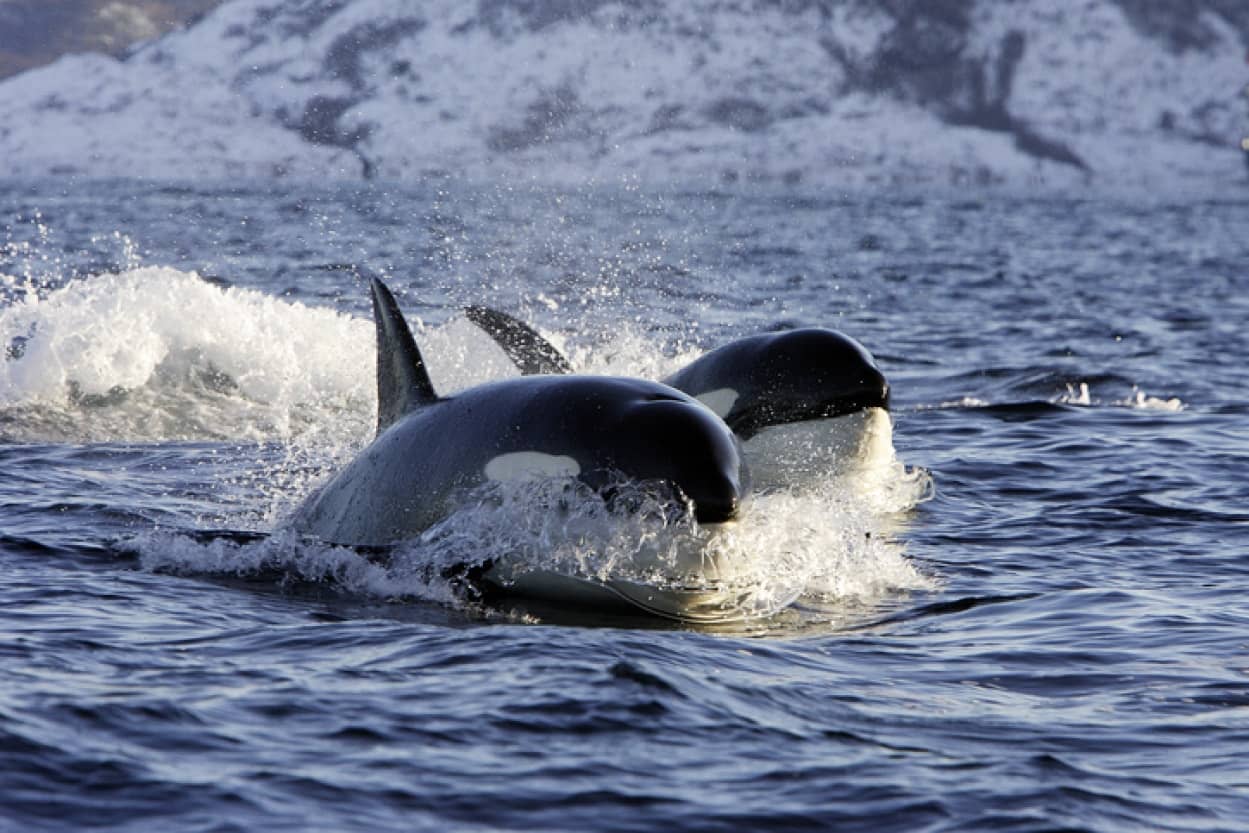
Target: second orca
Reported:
[(806, 403)]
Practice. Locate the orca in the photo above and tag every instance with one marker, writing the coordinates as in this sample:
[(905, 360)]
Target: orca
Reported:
[(804, 402), (430, 451)]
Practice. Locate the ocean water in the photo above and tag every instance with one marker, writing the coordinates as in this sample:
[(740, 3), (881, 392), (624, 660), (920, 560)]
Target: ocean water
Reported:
[(1034, 619)]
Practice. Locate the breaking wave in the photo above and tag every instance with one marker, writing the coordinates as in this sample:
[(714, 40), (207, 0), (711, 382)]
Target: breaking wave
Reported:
[(156, 354)]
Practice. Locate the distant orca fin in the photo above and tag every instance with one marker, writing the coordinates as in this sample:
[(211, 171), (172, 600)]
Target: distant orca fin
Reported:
[(528, 350), (402, 381)]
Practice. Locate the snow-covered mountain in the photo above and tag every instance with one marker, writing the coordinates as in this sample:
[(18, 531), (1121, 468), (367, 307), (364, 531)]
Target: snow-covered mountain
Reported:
[(1115, 93)]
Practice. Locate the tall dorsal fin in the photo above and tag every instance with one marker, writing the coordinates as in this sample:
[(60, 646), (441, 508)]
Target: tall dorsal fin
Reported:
[(528, 350), (402, 381)]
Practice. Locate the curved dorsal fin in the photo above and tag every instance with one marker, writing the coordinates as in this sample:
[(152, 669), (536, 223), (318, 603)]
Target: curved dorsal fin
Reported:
[(528, 350), (402, 381)]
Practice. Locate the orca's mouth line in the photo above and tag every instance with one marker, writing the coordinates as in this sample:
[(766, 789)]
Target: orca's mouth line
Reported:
[(753, 420)]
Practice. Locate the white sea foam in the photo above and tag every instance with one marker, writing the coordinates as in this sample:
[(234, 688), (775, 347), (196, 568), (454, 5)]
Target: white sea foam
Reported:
[(154, 353), (1141, 401), (287, 558), (1081, 394), (1075, 395), (963, 402), (158, 354)]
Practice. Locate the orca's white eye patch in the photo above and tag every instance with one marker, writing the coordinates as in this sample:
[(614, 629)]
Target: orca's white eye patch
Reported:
[(720, 400), (530, 465)]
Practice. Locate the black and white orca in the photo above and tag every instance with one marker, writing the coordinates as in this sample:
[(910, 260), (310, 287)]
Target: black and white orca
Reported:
[(430, 451), (804, 402)]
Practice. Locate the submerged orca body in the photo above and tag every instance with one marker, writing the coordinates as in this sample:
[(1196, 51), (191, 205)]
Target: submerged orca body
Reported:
[(770, 389), (430, 451)]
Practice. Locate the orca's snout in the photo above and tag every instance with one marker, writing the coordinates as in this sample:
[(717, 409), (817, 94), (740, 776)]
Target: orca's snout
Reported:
[(876, 391), (718, 506), (717, 496), (851, 382), (683, 443)]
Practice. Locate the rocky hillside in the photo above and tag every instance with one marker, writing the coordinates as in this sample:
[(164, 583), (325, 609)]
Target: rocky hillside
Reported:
[(1101, 93)]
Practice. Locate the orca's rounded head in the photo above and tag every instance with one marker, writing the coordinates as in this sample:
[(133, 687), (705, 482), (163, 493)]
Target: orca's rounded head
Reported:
[(677, 440), (839, 364), (811, 373)]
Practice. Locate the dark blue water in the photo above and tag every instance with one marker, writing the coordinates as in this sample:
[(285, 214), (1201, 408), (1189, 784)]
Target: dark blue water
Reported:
[(1058, 640)]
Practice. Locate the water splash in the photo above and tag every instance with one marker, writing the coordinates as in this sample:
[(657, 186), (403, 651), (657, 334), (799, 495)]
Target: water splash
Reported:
[(286, 559), (1075, 395), (159, 354), (1140, 401), (1081, 395), (831, 544)]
